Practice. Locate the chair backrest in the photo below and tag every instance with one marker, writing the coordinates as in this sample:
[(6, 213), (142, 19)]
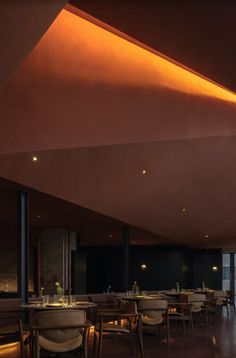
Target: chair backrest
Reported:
[(184, 298), (55, 318), (220, 293), (84, 298), (128, 306), (220, 296), (152, 307), (103, 298), (197, 297)]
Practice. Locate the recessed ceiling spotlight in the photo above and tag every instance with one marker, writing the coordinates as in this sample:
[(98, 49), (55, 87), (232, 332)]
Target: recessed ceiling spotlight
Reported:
[(38, 216), (110, 235), (183, 210), (143, 267), (206, 236), (144, 171), (214, 268), (34, 158)]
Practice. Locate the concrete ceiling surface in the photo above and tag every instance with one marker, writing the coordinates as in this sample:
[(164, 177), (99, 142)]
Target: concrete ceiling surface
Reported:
[(197, 175), (22, 25)]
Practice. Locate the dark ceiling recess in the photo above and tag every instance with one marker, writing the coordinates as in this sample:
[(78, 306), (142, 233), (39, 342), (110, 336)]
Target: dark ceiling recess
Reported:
[(47, 211)]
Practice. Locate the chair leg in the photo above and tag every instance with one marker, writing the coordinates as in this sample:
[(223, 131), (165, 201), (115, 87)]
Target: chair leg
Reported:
[(94, 343), (191, 324), (234, 306), (85, 343), (140, 337), (168, 332), (100, 339)]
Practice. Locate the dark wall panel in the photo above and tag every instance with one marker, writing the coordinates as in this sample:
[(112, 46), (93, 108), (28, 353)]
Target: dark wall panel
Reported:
[(203, 261), (104, 268), (165, 267), (79, 272)]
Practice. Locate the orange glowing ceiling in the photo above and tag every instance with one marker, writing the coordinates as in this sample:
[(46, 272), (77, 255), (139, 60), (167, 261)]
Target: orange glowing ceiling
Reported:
[(108, 90), (117, 60)]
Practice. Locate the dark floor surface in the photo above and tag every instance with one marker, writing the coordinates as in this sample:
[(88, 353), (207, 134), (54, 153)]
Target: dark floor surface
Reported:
[(218, 340)]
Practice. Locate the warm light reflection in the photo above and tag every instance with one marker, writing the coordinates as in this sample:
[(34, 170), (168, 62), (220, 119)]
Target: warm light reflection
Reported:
[(93, 53), (9, 349)]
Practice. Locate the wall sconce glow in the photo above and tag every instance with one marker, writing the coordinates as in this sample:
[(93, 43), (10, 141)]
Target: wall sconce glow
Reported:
[(143, 267), (144, 171), (184, 210), (34, 158), (214, 268)]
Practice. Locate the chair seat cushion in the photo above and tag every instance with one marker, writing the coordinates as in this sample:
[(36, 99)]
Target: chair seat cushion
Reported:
[(111, 327), (152, 321), (196, 309), (66, 346)]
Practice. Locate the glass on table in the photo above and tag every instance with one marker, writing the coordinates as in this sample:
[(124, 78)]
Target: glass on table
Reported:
[(129, 294), (72, 300), (65, 300), (45, 299)]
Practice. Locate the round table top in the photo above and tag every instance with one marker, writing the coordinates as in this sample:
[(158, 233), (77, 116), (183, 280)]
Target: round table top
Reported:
[(141, 297), (39, 306)]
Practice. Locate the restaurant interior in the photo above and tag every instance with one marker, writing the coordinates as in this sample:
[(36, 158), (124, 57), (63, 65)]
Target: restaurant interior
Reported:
[(117, 179)]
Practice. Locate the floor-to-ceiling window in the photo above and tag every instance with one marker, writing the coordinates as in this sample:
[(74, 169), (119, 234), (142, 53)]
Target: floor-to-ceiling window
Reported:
[(229, 271), (226, 272)]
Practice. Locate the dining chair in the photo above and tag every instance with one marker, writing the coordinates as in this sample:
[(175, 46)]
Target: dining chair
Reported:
[(104, 300), (181, 311), (122, 323), (155, 314), (222, 299), (12, 330), (59, 331), (198, 305), (231, 299)]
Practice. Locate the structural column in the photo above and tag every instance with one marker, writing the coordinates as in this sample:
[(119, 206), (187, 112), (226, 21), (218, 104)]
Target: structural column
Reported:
[(23, 243), (232, 274), (126, 232)]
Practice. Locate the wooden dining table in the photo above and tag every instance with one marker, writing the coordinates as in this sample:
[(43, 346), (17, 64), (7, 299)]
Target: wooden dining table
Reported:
[(52, 306)]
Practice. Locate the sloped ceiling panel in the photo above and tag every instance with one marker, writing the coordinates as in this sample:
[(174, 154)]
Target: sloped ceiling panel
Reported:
[(22, 25), (197, 175)]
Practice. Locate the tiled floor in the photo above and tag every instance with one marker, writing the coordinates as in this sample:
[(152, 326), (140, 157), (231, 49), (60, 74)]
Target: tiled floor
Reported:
[(215, 341)]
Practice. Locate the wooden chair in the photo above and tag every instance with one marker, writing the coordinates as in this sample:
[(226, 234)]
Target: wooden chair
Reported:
[(124, 323), (12, 331), (222, 299), (181, 311), (59, 331), (198, 305), (231, 299), (155, 314)]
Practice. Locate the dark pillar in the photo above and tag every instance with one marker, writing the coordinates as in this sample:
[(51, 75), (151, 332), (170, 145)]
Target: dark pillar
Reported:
[(23, 240), (126, 231), (232, 275)]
